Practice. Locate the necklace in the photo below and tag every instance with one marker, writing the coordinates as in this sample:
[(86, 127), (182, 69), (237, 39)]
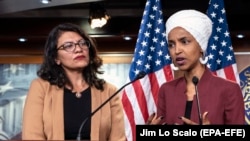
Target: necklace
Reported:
[(78, 95)]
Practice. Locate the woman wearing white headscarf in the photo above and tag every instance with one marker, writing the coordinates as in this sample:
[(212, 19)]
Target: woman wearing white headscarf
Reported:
[(220, 101)]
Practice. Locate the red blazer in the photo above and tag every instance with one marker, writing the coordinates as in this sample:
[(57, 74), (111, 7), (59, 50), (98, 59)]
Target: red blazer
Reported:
[(222, 99)]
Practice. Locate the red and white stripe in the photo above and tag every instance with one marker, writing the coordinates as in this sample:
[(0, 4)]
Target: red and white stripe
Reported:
[(229, 72), (139, 99)]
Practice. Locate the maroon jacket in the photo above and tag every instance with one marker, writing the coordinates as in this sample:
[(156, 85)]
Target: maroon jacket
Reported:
[(222, 99)]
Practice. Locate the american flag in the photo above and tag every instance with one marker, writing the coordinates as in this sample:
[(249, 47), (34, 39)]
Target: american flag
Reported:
[(221, 59), (151, 56)]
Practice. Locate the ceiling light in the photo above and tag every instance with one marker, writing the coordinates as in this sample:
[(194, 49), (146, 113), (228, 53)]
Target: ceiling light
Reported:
[(127, 38), (98, 15), (45, 1), (22, 39), (240, 36)]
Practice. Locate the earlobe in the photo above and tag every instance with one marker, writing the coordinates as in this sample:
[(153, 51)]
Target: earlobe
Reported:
[(57, 62)]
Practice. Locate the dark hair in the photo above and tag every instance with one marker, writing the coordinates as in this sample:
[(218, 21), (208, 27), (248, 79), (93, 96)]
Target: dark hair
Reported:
[(55, 74)]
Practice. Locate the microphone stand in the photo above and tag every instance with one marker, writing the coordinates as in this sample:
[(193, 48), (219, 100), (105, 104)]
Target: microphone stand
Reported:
[(195, 80), (139, 76)]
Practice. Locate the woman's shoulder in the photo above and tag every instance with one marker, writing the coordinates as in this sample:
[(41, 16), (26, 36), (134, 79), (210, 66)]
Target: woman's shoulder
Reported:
[(109, 85), (217, 80), (174, 81), (221, 80), (39, 80)]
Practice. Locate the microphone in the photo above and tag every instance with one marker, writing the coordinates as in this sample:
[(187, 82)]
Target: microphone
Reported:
[(139, 76), (195, 81)]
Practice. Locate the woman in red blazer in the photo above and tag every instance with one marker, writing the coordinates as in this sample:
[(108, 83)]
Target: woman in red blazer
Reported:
[(220, 101)]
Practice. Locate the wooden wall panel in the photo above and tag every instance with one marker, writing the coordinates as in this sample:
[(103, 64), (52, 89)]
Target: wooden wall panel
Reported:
[(37, 59)]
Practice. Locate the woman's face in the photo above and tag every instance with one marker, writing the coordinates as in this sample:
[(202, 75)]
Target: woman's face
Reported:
[(75, 58), (184, 49)]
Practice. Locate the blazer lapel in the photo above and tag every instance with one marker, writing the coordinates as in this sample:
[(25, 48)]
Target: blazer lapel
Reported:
[(57, 110), (95, 103)]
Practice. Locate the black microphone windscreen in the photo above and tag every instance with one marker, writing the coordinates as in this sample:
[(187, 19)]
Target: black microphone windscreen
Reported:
[(195, 80)]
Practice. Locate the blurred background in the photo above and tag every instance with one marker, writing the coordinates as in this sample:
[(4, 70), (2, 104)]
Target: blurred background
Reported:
[(32, 20)]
